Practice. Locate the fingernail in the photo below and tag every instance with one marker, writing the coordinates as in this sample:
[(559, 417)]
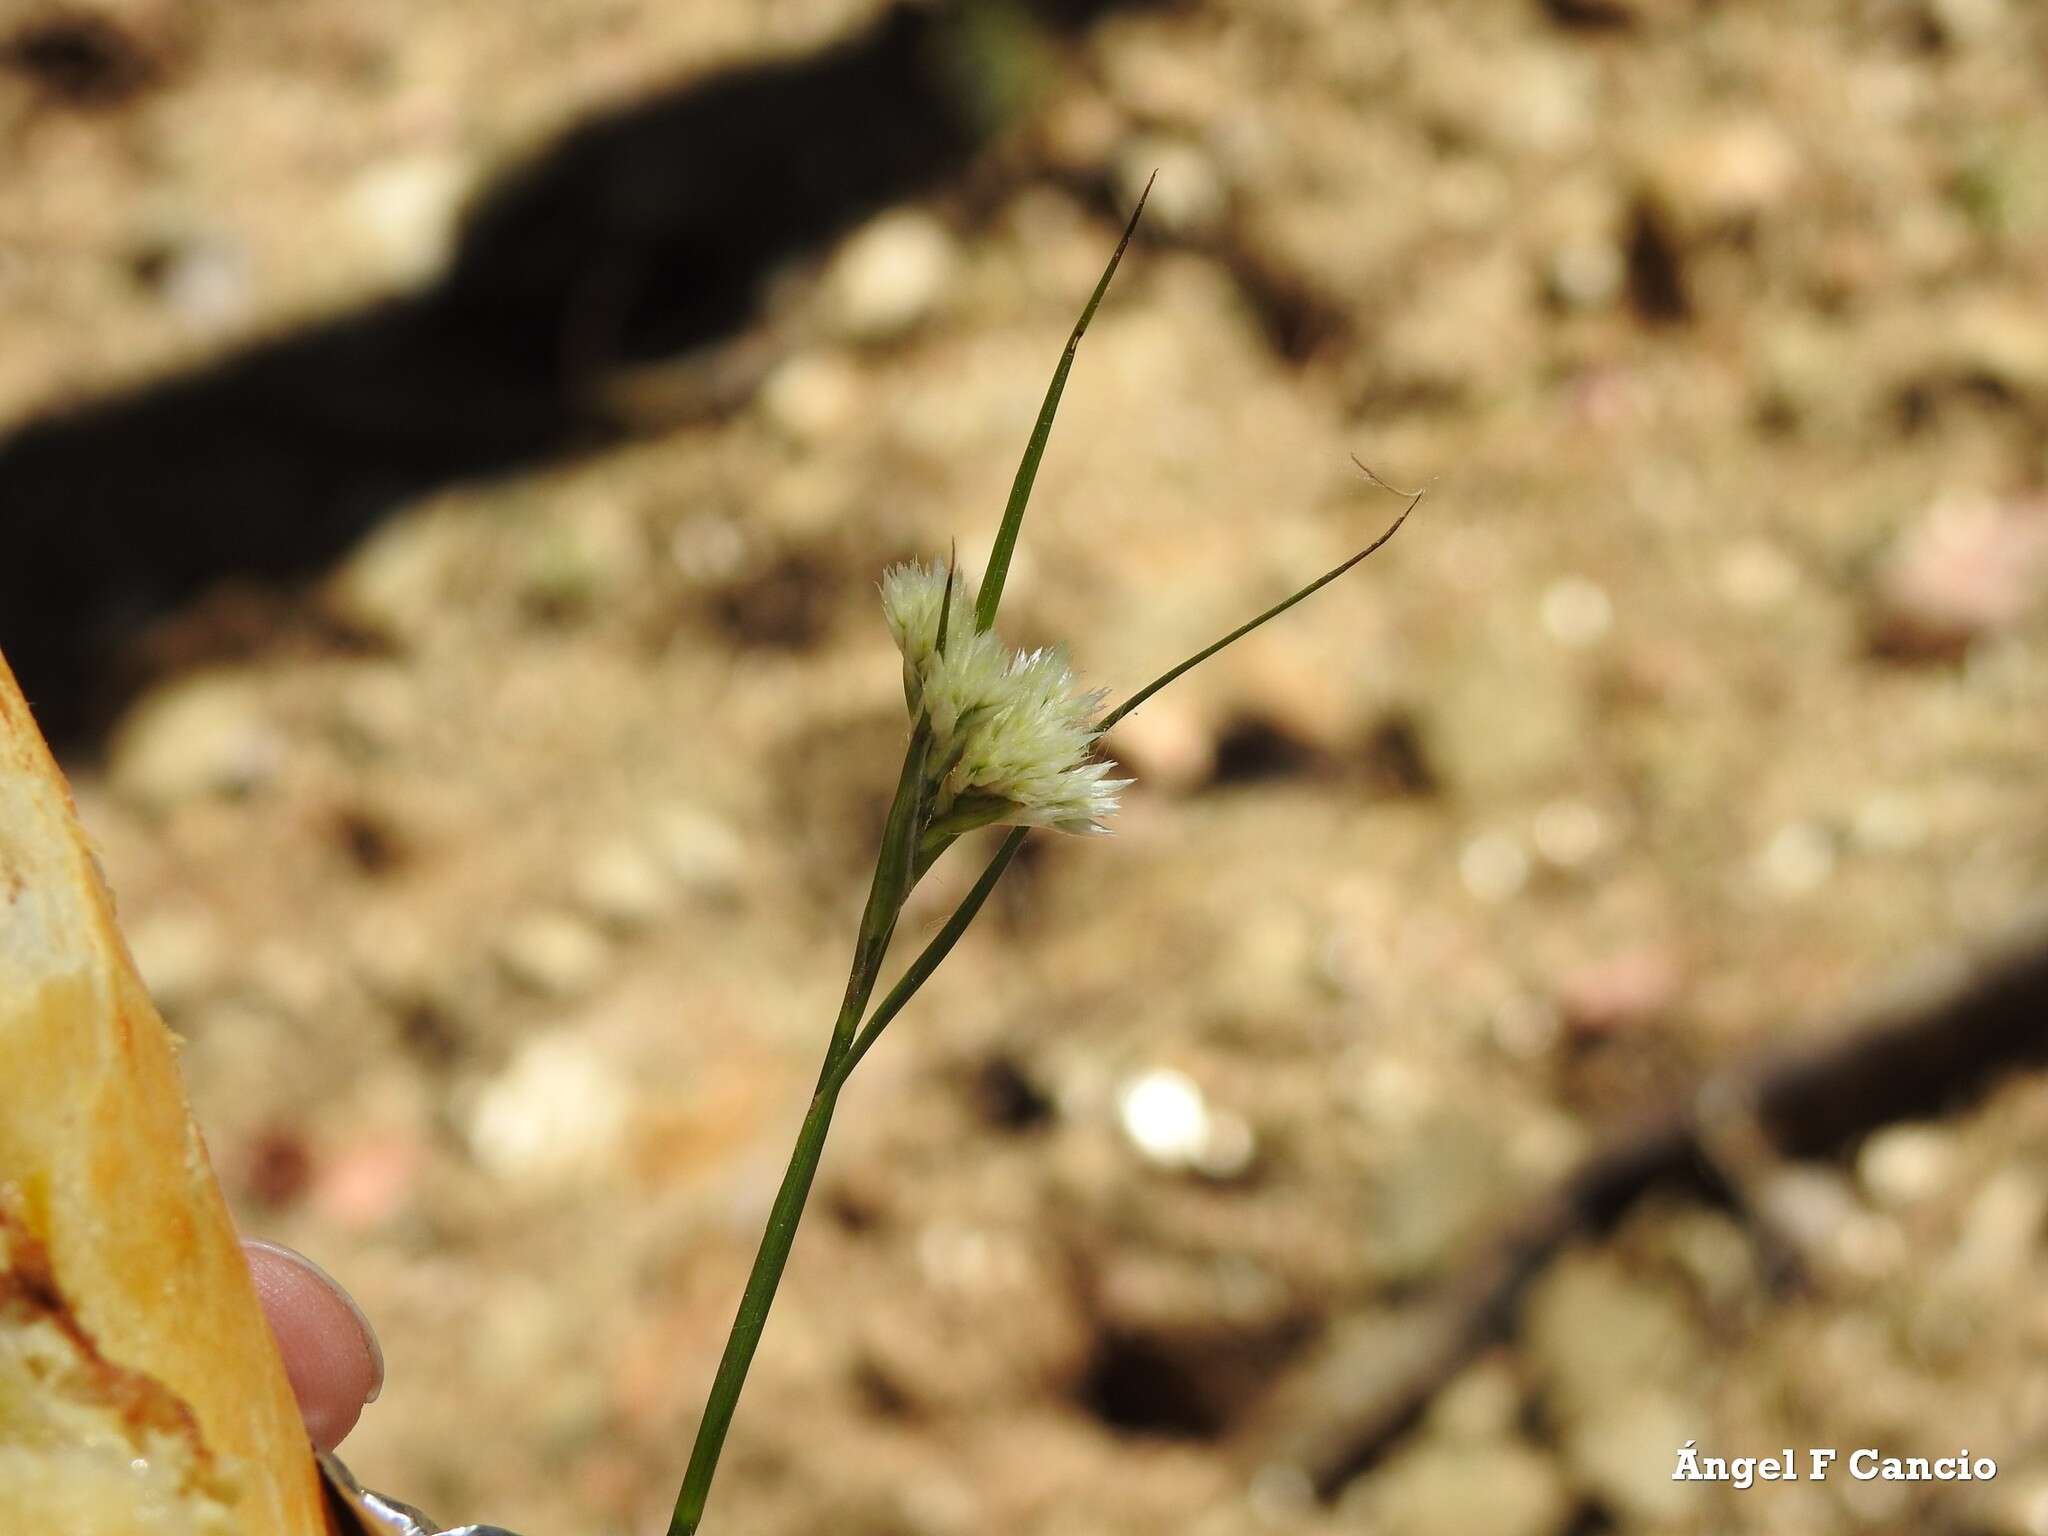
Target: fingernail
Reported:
[(298, 1259)]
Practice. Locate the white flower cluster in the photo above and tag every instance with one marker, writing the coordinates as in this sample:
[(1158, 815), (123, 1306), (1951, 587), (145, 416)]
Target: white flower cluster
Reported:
[(1012, 740)]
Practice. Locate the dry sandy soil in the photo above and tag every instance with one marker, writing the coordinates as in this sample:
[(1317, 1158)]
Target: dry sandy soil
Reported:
[(500, 861)]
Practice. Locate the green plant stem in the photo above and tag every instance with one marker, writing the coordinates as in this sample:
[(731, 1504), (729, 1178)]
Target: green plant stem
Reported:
[(928, 960), (788, 1210), (783, 1219), (896, 871)]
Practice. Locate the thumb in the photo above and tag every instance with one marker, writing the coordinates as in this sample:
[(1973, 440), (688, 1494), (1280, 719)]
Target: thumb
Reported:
[(331, 1355)]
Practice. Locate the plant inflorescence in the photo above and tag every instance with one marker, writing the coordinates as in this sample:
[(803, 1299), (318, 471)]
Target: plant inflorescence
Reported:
[(998, 737)]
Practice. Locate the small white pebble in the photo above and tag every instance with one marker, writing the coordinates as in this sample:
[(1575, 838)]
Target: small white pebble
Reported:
[(206, 283), (1577, 612), (1904, 1165), (557, 1110), (553, 954), (1568, 833), (621, 886), (1493, 866), (1189, 198), (1811, 1205), (1798, 860), (407, 212), (891, 275), (1164, 1116), (208, 735), (1586, 274)]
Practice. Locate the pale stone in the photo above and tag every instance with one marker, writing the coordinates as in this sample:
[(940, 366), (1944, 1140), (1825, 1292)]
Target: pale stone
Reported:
[(1494, 866), (622, 886), (1904, 1165), (1723, 176), (1577, 612), (554, 954), (557, 1112), (1587, 273), (394, 581), (890, 276), (1798, 860), (206, 735), (408, 212), (1568, 833), (181, 956), (1812, 1206), (1164, 1116), (205, 282), (1189, 198), (1171, 1124)]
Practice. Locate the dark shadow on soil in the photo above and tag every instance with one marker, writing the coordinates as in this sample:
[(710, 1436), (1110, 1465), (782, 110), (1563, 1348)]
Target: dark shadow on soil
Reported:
[(644, 233)]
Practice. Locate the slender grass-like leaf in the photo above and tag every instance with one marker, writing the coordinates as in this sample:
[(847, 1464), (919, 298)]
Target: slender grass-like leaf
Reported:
[(992, 579), (1246, 628)]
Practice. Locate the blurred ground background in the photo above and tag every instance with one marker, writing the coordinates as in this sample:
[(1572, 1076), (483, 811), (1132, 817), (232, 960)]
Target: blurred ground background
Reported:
[(449, 449)]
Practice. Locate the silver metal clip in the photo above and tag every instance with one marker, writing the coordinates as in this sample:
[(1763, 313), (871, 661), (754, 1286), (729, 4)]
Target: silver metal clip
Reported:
[(356, 1511)]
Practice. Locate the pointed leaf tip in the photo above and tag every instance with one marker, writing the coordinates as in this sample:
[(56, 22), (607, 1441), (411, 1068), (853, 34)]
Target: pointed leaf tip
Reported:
[(1274, 612), (991, 594)]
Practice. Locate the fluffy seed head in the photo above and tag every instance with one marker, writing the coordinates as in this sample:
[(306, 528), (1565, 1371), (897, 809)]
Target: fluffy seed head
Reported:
[(1012, 738)]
